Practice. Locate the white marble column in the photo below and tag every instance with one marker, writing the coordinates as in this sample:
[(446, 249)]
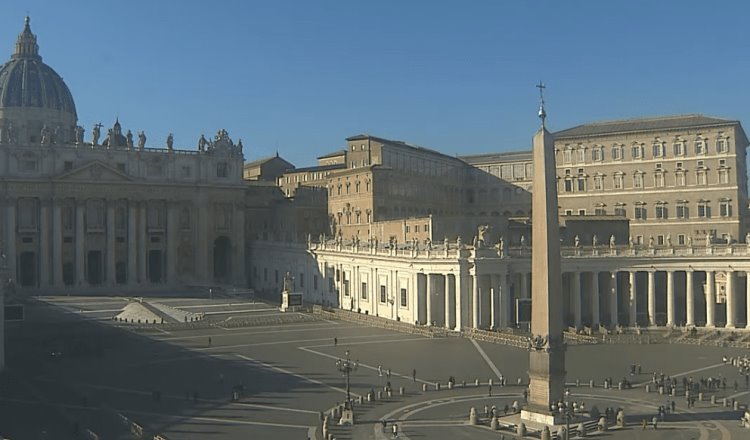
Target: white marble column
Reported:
[(44, 243), (172, 226), (689, 298), (670, 298), (57, 242), (632, 300), (505, 301), (204, 273), (475, 302), (428, 297), (493, 301), (110, 258), (450, 291), (731, 311), (595, 298), (461, 313), (575, 292), (652, 298), (132, 245), (613, 303), (80, 241), (710, 299), (142, 232)]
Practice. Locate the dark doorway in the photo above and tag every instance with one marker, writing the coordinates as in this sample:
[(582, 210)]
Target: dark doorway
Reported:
[(154, 266), (69, 274), (27, 269), (94, 267), (222, 259), (120, 273)]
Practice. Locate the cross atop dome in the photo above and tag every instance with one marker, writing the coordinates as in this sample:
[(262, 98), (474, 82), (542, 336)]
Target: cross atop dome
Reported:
[(26, 46)]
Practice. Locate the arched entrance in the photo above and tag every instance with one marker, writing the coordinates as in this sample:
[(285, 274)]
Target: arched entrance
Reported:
[(222, 259)]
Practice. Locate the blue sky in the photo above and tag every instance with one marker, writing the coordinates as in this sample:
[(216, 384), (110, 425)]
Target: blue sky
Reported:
[(456, 76)]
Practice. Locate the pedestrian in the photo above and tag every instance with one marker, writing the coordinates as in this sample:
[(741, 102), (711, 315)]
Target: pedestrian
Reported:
[(209, 341), (380, 370), (385, 424), (395, 430), (505, 409), (654, 421), (414, 375), (643, 424), (388, 373), (335, 341), (673, 406), (489, 390)]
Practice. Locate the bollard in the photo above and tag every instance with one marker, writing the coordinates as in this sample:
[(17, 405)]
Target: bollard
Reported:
[(661, 390), (450, 385), (489, 382), (673, 392), (591, 383), (648, 388), (546, 435), (369, 397), (389, 392), (493, 423), (621, 419), (473, 416), (521, 430), (437, 387), (687, 393), (736, 405), (724, 402), (359, 400), (520, 382), (713, 400), (463, 383), (700, 397), (581, 430), (619, 386), (476, 382), (401, 391), (578, 383), (424, 387)]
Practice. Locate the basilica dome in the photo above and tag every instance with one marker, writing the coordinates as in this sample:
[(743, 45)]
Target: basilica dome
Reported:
[(33, 95)]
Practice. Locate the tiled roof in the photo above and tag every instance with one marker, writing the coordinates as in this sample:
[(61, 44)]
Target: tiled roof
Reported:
[(333, 154), (317, 168), (642, 124), (511, 156)]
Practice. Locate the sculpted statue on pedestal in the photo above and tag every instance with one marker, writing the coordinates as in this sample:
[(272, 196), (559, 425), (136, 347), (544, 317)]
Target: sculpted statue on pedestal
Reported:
[(129, 139), (170, 141), (79, 134), (141, 140), (95, 133)]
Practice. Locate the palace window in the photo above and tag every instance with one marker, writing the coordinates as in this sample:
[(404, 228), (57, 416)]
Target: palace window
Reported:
[(659, 179), (581, 184), (617, 152), (27, 213), (95, 214), (640, 211), (701, 177), (599, 182), (581, 155), (700, 147), (724, 175), (725, 208), (404, 298), (597, 154), (658, 150), (681, 239), (682, 210), (679, 148), (600, 209), (568, 185), (619, 181), (567, 156), (363, 289), (721, 146), (661, 211), (620, 210), (638, 180), (704, 209), (679, 178), (637, 151), (382, 294)]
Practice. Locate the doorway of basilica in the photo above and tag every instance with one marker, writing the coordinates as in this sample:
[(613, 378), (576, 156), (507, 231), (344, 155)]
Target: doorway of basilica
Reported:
[(94, 267), (27, 269), (222, 259), (155, 266)]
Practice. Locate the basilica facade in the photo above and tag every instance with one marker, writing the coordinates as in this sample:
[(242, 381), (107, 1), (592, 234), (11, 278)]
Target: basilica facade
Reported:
[(107, 211)]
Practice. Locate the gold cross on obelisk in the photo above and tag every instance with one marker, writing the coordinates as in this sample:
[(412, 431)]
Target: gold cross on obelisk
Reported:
[(542, 113)]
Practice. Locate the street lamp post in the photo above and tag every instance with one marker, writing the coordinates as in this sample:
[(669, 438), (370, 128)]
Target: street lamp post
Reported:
[(346, 366), (567, 408)]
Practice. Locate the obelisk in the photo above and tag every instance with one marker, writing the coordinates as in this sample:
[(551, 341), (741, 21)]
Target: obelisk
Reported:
[(547, 348)]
